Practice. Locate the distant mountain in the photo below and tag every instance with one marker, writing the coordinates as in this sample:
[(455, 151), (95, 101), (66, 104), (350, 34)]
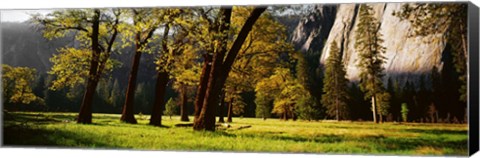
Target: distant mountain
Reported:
[(22, 45)]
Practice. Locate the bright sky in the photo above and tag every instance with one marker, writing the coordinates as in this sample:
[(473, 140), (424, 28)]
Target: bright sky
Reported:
[(19, 15)]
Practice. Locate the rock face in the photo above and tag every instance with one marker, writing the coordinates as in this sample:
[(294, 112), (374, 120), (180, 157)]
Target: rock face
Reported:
[(407, 57), (312, 30)]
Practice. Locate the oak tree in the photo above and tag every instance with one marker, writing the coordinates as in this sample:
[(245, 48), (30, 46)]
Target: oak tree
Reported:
[(95, 29)]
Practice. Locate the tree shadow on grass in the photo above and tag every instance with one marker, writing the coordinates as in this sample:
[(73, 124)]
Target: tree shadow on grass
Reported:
[(19, 135), (325, 138), (406, 144), (438, 131), (25, 119)]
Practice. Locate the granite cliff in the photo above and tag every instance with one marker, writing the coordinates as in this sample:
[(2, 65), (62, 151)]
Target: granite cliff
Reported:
[(407, 57)]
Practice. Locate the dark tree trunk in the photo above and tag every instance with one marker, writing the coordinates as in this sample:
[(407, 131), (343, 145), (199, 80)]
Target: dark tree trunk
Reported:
[(230, 111), (206, 119), (374, 109), (127, 113), (183, 103), (222, 106), (202, 86), (294, 117), (160, 87), (85, 114), (159, 103)]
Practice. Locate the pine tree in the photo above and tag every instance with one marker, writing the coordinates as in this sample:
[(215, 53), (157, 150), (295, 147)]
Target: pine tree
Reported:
[(369, 46), (335, 86), (383, 104)]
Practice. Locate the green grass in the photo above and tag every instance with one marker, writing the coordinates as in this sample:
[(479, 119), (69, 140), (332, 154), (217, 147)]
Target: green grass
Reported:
[(272, 135)]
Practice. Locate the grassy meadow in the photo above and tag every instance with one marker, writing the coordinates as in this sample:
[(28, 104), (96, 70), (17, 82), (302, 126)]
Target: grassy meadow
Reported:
[(271, 135)]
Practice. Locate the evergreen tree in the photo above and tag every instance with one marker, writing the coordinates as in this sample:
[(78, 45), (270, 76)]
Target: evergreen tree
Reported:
[(423, 98), (116, 95), (396, 97), (369, 46), (404, 112), (171, 108), (383, 105), (409, 98), (335, 86), (307, 108)]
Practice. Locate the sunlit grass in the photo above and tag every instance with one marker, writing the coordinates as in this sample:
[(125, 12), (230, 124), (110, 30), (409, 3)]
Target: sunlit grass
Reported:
[(271, 135)]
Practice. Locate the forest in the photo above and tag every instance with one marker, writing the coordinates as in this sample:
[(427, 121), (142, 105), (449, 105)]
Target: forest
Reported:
[(233, 71)]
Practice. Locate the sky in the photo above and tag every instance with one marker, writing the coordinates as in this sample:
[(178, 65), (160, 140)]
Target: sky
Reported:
[(19, 15)]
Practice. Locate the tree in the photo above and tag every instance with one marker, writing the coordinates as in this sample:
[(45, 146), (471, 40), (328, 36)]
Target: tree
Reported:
[(286, 103), (335, 85), (222, 61), (96, 29), (264, 105), (17, 85), (307, 108), (175, 30), (383, 105), (116, 94), (369, 46), (170, 108), (258, 57), (235, 104), (404, 112), (185, 73), (145, 23), (70, 67), (286, 91)]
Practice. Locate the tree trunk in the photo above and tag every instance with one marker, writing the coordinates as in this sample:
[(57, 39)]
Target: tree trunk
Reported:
[(127, 113), (161, 85), (206, 119), (374, 109), (294, 117), (159, 103), (336, 110), (222, 106), (230, 111), (203, 85), (381, 118), (85, 114), (183, 104)]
